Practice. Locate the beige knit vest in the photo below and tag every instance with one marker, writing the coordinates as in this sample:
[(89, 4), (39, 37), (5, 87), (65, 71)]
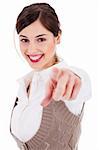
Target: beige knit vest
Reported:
[(59, 130)]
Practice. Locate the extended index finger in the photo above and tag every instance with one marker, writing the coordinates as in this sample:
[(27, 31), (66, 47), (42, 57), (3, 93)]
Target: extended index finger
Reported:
[(56, 73), (48, 95)]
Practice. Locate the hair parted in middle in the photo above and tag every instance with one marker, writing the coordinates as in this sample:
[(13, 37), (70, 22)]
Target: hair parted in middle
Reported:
[(42, 12)]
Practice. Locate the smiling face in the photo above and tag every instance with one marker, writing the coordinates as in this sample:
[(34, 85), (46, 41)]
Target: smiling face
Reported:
[(37, 45)]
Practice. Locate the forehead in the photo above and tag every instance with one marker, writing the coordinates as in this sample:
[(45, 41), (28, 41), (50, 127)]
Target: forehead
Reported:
[(35, 29)]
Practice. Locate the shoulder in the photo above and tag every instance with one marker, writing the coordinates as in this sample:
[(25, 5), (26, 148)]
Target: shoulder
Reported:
[(25, 77)]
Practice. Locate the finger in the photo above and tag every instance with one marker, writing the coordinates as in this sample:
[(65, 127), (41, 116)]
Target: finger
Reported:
[(50, 86), (48, 96), (60, 87), (76, 88), (56, 73), (69, 89)]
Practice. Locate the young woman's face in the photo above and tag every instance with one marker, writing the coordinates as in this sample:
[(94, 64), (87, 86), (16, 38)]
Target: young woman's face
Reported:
[(37, 45)]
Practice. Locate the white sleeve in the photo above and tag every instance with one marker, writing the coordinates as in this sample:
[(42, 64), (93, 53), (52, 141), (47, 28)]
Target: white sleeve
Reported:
[(75, 106), (18, 109), (27, 115)]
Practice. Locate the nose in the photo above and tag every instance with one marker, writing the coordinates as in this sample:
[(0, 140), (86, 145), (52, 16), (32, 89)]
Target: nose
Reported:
[(32, 47)]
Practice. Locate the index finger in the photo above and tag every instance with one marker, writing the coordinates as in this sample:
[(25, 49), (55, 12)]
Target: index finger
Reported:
[(56, 73)]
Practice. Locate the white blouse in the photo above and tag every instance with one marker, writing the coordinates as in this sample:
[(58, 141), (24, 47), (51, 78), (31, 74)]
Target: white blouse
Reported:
[(27, 114)]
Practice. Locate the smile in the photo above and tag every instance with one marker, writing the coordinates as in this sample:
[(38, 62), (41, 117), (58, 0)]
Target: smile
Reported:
[(35, 58)]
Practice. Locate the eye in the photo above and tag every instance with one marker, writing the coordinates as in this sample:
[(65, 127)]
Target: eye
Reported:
[(24, 40), (41, 39)]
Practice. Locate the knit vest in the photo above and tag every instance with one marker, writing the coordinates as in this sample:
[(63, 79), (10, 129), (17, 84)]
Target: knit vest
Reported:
[(59, 129)]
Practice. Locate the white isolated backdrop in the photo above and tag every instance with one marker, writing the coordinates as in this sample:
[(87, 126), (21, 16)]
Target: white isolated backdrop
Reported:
[(79, 47)]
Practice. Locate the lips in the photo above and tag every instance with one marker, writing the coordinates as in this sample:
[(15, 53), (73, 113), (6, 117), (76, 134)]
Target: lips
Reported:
[(36, 57)]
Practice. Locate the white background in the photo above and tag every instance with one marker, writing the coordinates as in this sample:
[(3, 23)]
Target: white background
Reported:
[(79, 47)]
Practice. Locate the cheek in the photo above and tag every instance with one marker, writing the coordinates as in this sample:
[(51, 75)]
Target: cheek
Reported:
[(22, 51), (22, 48), (50, 48)]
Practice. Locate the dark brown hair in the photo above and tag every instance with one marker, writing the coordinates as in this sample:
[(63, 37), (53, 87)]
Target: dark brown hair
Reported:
[(42, 11)]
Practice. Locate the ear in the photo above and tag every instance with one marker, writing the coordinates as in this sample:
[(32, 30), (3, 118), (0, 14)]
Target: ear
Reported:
[(58, 38)]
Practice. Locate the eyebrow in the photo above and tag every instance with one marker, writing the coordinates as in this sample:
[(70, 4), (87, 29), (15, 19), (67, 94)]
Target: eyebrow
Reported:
[(23, 36), (40, 35), (35, 36)]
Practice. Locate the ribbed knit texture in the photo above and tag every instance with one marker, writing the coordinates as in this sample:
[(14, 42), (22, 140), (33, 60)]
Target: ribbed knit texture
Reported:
[(59, 130)]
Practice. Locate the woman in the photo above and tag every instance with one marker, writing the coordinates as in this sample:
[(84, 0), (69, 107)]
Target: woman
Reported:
[(49, 105)]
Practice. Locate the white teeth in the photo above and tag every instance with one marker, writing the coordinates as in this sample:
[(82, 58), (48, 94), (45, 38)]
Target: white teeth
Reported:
[(35, 57)]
